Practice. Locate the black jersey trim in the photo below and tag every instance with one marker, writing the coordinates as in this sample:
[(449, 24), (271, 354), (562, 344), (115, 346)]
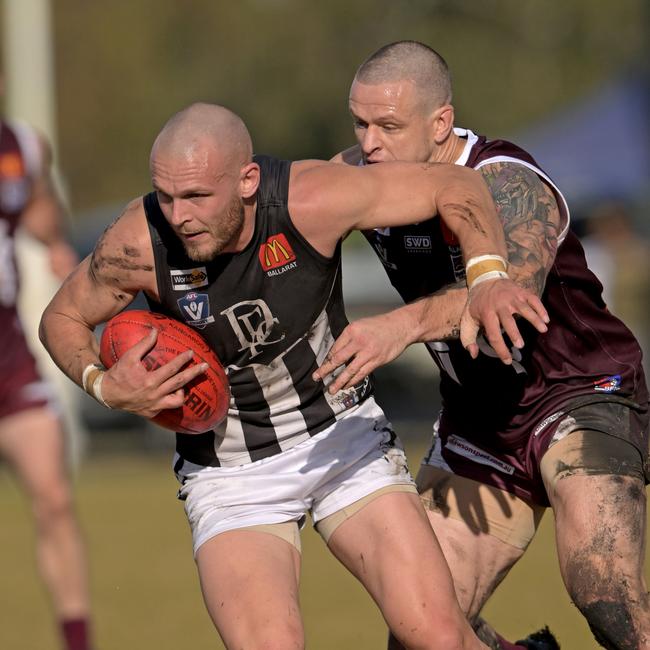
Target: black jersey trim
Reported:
[(196, 448)]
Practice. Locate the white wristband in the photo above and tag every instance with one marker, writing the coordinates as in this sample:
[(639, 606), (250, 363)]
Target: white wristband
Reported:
[(97, 389), (485, 258), (87, 370), (485, 267), (91, 380), (489, 275)]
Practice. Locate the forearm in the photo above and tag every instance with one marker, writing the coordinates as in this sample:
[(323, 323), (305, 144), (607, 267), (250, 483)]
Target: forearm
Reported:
[(468, 211), (434, 317), (71, 343), (67, 326)]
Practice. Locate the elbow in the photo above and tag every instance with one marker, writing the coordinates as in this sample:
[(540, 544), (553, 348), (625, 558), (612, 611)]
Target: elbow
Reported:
[(42, 328)]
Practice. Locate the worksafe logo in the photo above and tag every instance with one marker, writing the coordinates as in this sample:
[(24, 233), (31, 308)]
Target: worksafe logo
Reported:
[(276, 255), (186, 279)]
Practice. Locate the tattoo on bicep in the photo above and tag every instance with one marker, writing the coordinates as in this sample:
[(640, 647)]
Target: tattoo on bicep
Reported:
[(531, 221), (111, 264)]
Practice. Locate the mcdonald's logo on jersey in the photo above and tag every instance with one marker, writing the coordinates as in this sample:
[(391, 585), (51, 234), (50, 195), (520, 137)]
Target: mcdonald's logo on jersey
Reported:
[(277, 253)]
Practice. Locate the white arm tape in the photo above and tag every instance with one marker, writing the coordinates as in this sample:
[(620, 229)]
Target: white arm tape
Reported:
[(91, 380), (490, 275)]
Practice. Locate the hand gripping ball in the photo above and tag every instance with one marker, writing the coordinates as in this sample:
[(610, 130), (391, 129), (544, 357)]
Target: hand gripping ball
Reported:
[(206, 397)]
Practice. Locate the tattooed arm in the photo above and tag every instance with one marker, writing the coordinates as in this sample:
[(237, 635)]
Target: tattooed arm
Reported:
[(531, 219), (102, 285)]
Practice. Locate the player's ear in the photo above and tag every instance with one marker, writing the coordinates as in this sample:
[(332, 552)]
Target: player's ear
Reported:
[(443, 123), (249, 180)]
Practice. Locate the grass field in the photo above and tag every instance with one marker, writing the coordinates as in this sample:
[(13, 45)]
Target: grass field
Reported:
[(145, 590)]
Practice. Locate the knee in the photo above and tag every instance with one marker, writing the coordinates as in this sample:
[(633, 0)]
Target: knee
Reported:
[(612, 622), (52, 505), (613, 608), (280, 635), (438, 635), (286, 640)]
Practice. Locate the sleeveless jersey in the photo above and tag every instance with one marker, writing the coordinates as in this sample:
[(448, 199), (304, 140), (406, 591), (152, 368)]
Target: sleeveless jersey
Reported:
[(21, 387), (586, 355), (271, 312), (15, 190)]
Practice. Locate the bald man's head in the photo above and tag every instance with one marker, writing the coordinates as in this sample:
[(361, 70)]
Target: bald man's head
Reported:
[(413, 61), (202, 127)]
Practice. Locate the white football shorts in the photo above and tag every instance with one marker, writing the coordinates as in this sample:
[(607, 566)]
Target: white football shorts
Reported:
[(351, 459)]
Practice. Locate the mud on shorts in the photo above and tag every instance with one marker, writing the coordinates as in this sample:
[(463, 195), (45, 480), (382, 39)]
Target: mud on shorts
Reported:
[(331, 475), (500, 491)]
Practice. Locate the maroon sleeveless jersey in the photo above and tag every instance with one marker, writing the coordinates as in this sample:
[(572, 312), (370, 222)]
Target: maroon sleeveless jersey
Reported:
[(587, 354), (20, 385)]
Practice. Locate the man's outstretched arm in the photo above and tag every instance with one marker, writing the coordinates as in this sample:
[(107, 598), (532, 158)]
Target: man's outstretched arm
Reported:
[(529, 212)]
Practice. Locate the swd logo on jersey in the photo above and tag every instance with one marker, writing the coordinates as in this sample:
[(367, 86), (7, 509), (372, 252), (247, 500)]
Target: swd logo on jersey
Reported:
[(277, 256), (185, 279), (252, 322), (417, 243), (195, 308)]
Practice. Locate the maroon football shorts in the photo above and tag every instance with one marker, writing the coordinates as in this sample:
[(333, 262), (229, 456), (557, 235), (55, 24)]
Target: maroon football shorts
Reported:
[(516, 468), (21, 386)]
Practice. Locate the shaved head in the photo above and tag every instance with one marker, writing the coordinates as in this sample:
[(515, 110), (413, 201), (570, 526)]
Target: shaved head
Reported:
[(202, 127), (202, 170), (412, 61)]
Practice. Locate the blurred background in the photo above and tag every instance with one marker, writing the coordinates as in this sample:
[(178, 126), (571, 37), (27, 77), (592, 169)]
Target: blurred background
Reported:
[(569, 81)]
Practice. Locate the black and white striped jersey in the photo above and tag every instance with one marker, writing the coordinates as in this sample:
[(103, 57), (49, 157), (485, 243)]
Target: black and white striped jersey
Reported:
[(271, 312)]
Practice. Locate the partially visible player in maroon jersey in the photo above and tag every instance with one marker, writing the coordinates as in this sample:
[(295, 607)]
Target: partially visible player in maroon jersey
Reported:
[(564, 424), (31, 437)]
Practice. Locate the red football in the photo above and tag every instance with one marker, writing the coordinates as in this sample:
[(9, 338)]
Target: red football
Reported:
[(206, 397)]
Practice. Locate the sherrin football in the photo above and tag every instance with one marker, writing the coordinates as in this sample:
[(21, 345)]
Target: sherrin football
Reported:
[(206, 397)]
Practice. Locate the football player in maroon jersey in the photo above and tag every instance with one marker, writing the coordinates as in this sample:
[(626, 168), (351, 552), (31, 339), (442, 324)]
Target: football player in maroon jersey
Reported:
[(31, 435), (564, 425)]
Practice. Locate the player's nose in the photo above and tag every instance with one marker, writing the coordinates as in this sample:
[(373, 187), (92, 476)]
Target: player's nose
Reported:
[(371, 140), (178, 215)]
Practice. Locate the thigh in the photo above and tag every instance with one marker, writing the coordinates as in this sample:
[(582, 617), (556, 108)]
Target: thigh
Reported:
[(596, 486), (32, 442), (390, 532), (482, 531), (249, 581)]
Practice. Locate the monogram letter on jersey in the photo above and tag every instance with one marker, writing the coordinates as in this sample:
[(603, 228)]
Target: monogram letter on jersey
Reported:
[(252, 322)]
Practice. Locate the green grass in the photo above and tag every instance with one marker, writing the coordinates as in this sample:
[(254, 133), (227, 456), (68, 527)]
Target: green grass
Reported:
[(145, 590)]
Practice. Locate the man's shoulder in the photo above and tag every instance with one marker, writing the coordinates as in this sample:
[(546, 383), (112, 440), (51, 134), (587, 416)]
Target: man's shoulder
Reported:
[(130, 225), (123, 256)]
